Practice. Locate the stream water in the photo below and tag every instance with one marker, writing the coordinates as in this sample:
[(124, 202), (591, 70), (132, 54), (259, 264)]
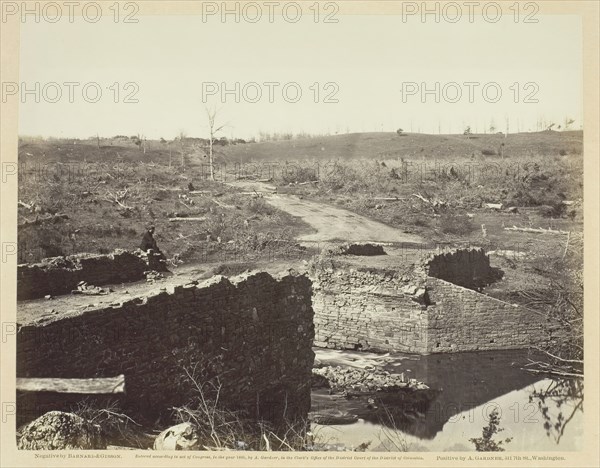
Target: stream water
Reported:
[(464, 389)]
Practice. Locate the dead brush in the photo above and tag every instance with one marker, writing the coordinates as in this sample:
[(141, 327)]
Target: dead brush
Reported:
[(117, 428), (220, 428), (390, 435)]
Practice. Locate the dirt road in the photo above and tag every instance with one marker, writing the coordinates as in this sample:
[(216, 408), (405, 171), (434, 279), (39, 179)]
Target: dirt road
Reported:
[(330, 223)]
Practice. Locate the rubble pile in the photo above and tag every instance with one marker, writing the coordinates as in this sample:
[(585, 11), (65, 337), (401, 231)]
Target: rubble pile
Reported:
[(153, 275), (90, 290), (353, 380)]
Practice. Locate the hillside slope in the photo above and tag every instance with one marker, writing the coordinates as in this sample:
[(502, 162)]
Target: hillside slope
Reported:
[(409, 146)]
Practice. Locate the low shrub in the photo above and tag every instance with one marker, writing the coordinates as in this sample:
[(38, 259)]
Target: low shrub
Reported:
[(457, 224), (260, 206)]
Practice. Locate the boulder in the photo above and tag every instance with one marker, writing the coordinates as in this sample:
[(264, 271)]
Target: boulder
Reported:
[(57, 430), (183, 436)]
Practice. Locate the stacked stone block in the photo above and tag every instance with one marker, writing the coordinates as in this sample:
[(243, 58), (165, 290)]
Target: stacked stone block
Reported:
[(253, 335), (422, 312)]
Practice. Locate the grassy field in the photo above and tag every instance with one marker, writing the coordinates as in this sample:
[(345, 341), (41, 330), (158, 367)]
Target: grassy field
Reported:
[(435, 186), (105, 195), (438, 186), (458, 173)]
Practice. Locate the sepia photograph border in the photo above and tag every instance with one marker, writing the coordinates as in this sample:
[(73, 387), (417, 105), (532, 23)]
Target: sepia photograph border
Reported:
[(11, 457)]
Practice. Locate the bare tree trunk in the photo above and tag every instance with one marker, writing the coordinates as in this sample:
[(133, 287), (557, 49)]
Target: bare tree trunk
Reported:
[(210, 155), (211, 125), (213, 131)]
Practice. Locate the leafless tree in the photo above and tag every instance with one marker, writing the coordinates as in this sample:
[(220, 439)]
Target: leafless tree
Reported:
[(181, 138), (562, 358), (568, 122), (140, 142), (214, 129)]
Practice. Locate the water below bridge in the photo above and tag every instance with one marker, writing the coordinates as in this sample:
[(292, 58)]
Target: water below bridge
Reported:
[(464, 389)]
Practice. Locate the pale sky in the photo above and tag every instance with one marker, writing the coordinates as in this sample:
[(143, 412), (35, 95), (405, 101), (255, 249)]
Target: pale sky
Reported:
[(367, 57)]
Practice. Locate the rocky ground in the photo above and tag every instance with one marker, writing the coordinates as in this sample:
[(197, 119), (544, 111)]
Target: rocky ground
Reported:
[(350, 381), (345, 391)]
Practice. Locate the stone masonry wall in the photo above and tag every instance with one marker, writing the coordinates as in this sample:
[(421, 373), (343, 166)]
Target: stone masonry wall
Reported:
[(382, 309), (369, 310), (254, 334), (461, 319), (60, 275)]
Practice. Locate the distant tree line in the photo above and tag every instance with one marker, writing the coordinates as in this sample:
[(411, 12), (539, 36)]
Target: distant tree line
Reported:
[(222, 141)]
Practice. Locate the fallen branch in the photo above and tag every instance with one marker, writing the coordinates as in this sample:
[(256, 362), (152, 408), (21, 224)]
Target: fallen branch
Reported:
[(117, 199), (25, 205), (40, 220), (433, 203), (576, 361), (536, 230), (118, 415), (187, 219), (389, 198), (182, 237), (223, 205), (547, 368), (421, 197), (552, 372)]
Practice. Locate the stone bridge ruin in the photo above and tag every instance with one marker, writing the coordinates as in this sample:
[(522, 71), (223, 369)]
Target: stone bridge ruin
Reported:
[(255, 333), (430, 306)]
